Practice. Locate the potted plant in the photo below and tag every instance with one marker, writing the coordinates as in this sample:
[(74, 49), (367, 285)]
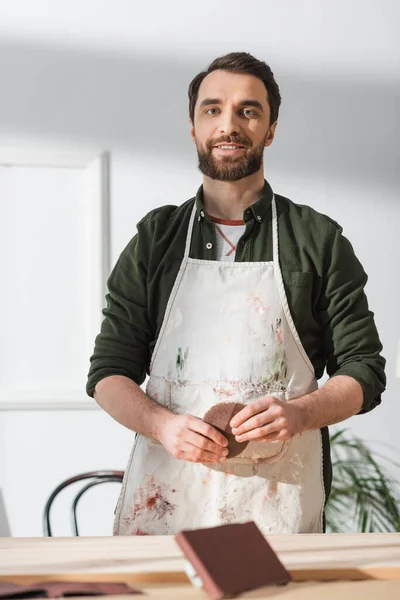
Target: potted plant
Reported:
[(364, 497)]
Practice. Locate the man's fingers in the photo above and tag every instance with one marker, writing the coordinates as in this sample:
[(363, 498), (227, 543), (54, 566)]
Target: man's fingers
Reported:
[(251, 409), (260, 432), (259, 420), (204, 443), (208, 431), (195, 454)]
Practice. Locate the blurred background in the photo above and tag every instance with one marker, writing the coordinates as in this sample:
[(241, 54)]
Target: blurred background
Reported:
[(94, 133)]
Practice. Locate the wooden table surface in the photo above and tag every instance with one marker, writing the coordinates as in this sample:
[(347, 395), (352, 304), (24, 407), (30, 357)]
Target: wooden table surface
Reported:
[(156, 565)]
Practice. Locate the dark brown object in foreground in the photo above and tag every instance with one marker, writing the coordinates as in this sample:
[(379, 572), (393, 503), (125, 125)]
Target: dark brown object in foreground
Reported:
[(232, 559), (219, 416), (58, 589)]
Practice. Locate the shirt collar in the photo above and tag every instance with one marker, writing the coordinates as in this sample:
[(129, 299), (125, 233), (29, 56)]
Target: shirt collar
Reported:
[(258, 210)]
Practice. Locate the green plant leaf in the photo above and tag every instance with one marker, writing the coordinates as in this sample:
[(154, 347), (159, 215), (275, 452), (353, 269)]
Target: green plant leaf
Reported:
[(362, 494)]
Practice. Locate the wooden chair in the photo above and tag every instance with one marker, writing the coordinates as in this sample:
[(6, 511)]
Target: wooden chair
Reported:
[(95, 477)]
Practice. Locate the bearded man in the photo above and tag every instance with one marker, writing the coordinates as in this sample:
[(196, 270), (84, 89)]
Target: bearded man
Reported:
[(234, 303)]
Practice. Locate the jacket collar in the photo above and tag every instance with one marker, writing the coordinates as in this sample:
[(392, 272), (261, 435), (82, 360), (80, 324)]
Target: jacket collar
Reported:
[(259, 210)]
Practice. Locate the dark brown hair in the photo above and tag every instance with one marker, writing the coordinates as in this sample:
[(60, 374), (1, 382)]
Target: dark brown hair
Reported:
[(240, 62)]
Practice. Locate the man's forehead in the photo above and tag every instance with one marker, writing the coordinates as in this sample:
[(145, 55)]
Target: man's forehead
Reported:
[(227, 86)]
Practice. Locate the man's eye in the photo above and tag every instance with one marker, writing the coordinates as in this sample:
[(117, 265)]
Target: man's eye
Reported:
[(249, 113), (208, 111)]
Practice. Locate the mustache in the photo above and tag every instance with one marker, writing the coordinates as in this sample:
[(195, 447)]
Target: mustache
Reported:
[(230, 140)]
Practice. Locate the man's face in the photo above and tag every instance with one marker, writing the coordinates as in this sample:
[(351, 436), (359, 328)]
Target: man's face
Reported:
[(231, 125)]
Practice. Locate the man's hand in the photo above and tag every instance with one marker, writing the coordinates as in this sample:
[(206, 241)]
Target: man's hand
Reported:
[(268, 420), (188, 438)]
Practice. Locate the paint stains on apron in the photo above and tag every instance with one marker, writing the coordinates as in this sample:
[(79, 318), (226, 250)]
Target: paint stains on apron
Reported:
[(227, 335)]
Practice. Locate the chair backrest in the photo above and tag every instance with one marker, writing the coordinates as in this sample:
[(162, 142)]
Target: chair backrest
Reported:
[(95, 477)]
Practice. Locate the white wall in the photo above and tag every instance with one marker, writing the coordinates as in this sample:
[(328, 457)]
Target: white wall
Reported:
[(113, 75)]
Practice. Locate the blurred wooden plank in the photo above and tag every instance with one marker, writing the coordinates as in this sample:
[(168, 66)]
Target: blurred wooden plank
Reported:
[(176, 577), (311, 590), (158, 561)]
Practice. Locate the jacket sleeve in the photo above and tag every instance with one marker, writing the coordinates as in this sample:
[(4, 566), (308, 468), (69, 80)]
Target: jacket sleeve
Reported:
[(350, 338), (122, 346)]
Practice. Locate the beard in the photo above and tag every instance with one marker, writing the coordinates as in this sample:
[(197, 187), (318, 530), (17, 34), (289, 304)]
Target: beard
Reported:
[(230, 168)]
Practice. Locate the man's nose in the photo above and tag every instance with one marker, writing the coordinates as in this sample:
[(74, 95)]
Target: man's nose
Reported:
[(229, 123)]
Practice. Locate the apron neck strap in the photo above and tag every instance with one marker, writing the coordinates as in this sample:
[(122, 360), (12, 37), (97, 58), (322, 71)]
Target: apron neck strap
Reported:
[(275, 239), (189, 233)]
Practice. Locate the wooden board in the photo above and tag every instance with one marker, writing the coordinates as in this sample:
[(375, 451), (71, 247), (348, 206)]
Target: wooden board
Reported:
[(156, 564), (178, 577), (349, 590)]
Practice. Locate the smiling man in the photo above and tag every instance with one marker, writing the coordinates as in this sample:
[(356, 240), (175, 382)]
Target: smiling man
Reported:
[(239, 298)]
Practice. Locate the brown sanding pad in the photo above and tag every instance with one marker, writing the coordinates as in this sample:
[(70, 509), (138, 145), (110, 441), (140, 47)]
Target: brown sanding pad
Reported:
[(219, 416), (231, 559)]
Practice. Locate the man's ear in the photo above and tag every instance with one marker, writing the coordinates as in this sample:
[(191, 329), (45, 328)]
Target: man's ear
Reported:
[(271, 134), (192, 131)]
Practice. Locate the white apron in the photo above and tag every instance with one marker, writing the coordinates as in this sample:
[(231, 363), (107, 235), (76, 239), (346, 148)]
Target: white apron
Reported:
[(227, 335)]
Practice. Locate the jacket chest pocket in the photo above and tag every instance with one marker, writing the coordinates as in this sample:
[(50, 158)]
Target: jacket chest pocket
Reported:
[(299, 293)]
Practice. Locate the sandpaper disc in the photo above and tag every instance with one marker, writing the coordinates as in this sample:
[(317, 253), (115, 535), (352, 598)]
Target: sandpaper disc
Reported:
[(219, 416)]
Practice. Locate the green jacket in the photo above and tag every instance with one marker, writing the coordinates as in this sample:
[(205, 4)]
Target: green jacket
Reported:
[(324, 283)]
